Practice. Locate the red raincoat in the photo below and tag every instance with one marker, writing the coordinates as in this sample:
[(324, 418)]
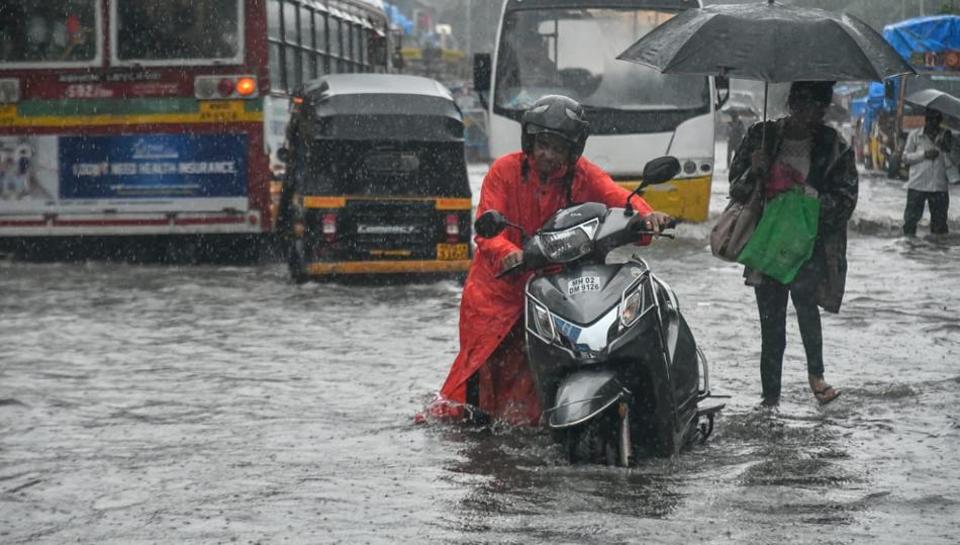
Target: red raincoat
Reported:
[(491, 307)]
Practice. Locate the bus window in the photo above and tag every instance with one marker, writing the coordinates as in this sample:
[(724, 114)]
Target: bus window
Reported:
[(177, 29), (321, 27), (309, 66), (290, 23), (293, 69), (365, 38), (334, 37), (38, 30), (273, 20), (276, 69), (541, 53), (306, 28), (349, 36)]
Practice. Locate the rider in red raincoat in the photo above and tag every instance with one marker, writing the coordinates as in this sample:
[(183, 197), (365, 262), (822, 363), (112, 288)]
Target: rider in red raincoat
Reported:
[(491, 372)]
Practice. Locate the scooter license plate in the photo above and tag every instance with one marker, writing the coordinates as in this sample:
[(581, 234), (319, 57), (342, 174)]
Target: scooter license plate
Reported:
[(582, 284)]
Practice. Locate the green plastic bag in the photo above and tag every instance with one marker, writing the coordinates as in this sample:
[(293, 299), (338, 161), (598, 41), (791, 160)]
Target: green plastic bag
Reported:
[(783, 240)]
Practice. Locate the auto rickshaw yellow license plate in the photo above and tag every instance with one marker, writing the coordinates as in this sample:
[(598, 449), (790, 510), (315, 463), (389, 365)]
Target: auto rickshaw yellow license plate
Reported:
[(452, 252)]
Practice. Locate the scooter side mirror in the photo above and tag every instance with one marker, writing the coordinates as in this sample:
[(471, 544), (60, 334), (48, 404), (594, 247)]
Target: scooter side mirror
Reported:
[(660, 170), (656, 171), (490, 224)]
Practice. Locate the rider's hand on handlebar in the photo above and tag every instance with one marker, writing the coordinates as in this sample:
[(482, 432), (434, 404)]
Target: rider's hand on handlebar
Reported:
[(511, 260), (654, 222)]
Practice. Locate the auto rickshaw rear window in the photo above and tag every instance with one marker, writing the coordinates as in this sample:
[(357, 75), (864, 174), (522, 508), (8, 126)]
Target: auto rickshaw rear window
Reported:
[(420, 169)]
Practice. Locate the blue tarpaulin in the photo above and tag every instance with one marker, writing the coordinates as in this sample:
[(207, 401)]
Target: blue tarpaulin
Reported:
[(398, 18), (858, 107), (924, 35)]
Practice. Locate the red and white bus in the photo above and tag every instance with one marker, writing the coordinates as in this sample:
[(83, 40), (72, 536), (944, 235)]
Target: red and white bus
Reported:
[(135, 124)]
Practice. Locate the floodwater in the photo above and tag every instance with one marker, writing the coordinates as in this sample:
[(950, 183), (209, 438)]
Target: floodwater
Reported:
[(151, 404)]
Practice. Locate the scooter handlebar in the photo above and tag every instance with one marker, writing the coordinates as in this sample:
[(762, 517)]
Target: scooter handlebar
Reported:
[(672, 224), (519, 267)]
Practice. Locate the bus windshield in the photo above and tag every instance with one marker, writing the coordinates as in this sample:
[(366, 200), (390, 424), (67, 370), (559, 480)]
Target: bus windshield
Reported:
[(573, 52), (177, 29), (40, 31)]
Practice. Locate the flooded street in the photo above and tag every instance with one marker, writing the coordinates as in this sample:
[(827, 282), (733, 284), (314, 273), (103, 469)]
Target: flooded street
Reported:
[(151, 404)]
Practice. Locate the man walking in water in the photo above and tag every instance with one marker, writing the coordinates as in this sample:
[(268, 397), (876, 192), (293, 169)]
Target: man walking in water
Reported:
[(926, 153)]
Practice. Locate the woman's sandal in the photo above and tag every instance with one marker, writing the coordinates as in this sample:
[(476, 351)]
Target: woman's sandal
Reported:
[(826, 394)]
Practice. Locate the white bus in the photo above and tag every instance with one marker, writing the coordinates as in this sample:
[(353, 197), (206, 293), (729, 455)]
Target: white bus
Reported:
[(569, 47)]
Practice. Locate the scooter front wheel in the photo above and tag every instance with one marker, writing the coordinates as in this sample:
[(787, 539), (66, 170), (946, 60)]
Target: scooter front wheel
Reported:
[(595, 441)]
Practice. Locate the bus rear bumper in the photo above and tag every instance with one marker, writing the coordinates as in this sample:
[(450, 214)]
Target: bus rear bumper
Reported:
[(143, 224)]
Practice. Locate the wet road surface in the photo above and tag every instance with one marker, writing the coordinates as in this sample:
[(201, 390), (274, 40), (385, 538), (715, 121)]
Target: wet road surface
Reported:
[(150, 404)]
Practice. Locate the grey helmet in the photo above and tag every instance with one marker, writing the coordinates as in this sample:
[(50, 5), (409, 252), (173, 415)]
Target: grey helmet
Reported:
[(559, 115)]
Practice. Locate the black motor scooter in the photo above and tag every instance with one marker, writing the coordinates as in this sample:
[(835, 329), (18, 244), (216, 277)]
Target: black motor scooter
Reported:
[(615, 365)]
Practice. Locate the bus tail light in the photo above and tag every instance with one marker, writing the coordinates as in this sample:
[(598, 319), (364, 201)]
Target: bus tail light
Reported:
[(453, 228), (9, 91), (329, 227), (224, 87), (246, 87)]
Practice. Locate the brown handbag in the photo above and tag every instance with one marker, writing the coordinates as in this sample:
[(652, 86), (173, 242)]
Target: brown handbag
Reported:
[(735, 226)]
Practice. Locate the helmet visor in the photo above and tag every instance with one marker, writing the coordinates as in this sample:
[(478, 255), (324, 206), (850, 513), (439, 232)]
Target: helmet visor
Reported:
[(540, 132)]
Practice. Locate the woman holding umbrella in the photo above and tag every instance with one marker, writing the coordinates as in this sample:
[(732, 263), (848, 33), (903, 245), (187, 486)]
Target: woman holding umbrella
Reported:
[(773, 42), (799, 150)]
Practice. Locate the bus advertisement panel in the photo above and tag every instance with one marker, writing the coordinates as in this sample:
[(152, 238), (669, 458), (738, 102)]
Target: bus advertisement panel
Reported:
[(47, 174)]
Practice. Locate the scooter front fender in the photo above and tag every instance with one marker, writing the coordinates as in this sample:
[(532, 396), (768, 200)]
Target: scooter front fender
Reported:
[(583, 395)]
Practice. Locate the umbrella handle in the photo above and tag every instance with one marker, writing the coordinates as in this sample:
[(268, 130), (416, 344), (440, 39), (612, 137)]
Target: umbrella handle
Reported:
[(763, 128)]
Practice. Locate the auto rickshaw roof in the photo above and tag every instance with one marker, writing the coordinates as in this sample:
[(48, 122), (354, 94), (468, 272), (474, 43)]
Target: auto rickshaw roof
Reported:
[(383, 106), (353, 84)]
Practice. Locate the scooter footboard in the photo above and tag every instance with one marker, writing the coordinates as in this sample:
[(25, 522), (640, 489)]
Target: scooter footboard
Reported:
[(583, 395)]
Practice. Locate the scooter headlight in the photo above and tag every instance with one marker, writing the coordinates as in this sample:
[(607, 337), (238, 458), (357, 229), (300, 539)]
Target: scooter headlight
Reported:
[(630, 308), (569, 244), (543, 322), (635, 301)]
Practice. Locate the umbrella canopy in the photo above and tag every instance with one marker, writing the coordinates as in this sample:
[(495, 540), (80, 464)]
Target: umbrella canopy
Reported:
[(769, 42), (944, 103)]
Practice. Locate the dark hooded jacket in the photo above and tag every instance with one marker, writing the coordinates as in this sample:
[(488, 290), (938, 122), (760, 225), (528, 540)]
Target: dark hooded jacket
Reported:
[(833, 173)]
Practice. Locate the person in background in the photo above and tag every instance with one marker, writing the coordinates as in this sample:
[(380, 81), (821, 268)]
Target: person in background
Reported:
[(490, 378), (735, 134), (800, 150), (926, 153)]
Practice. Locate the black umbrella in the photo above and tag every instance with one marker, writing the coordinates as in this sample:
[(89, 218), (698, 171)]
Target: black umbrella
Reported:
[(944, 103), (769, 42)]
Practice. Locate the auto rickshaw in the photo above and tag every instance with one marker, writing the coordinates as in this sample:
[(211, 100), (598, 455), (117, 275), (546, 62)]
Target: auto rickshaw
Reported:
[(376, 181)]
